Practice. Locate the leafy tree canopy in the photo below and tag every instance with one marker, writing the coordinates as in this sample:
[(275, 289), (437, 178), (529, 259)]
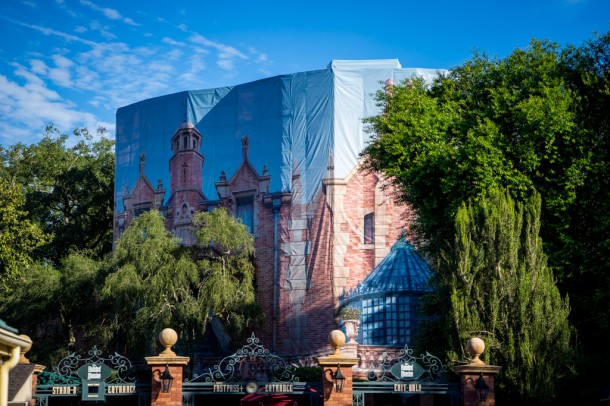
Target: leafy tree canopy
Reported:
[(535, 121), (58, 307), (19, 236), (501, 288), (68, 189), (154, 282), (506, 123)]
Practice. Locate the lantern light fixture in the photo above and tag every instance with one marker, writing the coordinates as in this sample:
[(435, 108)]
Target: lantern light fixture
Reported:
[(166, 380), (482, 388)]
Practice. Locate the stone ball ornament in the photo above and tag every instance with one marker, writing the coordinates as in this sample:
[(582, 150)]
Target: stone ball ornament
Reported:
[(475, 347), (168, 337), (24, 350), (336, 338)]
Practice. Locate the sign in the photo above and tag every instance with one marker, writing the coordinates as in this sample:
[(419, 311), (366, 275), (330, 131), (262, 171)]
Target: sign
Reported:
[(228, 388), (281, 388), (407, 370), (407, 387), (93, 376), (64, 390), (120, 389)]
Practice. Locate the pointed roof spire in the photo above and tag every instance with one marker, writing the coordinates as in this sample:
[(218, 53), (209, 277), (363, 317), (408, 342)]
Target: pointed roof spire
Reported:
[(142, 159), (245, 143)]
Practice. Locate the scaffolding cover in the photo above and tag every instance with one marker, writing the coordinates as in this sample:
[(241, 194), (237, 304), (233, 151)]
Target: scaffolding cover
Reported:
[(300, 123)]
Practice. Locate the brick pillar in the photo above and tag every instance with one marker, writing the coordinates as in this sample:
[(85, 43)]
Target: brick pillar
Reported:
[(329, 367), (37, 371), (174, 363), (468, 378)]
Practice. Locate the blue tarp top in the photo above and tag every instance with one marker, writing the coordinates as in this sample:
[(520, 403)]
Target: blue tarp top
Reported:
[(297, 123)]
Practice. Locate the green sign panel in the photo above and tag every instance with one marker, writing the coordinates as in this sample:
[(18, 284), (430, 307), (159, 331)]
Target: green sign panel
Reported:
[(407, 370), (93, 376)]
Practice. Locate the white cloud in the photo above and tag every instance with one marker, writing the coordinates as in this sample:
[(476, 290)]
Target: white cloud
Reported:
[(109, 13), (108, 74), (225, 64), (226, 51), (61, 61), (169, 41), (104, 30), (35, 105), (61, 74), (38, 66), (49, 31), (193, 76)]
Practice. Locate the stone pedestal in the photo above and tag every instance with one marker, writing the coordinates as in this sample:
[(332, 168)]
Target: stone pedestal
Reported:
[(468, 378), (350, 350)]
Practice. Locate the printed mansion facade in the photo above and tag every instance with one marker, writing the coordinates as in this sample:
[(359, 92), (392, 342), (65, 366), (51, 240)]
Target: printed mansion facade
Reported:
[(323, 248), (282, 155)]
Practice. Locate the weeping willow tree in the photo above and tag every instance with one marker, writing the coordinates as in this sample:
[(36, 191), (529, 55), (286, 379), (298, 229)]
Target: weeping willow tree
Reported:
[(155, 282), (502, 289)]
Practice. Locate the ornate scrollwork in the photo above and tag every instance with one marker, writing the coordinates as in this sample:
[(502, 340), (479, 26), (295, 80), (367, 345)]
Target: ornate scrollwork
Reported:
[(380, 365), (250, 362), (65, 371)]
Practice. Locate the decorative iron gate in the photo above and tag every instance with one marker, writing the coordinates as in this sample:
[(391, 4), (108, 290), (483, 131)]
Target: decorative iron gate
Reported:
[(93, 378), (404, 375), (252, 373)]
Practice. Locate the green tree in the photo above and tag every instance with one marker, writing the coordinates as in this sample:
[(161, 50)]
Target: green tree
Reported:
[(500, 286), (19, 237), (68, 190), (58, 307), (155, 282), (586, 253), (507, 123), (537, 120)]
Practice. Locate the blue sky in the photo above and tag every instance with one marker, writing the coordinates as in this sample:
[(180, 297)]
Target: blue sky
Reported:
[(74, 62)]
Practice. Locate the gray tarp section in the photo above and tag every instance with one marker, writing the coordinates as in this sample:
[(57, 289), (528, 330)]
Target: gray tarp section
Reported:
[(295, 122)]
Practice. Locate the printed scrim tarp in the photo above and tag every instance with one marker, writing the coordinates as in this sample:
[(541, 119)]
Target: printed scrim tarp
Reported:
[(303, 122)]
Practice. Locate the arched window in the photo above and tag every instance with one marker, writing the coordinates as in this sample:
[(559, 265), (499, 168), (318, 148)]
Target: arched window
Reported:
[(185, 143)]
